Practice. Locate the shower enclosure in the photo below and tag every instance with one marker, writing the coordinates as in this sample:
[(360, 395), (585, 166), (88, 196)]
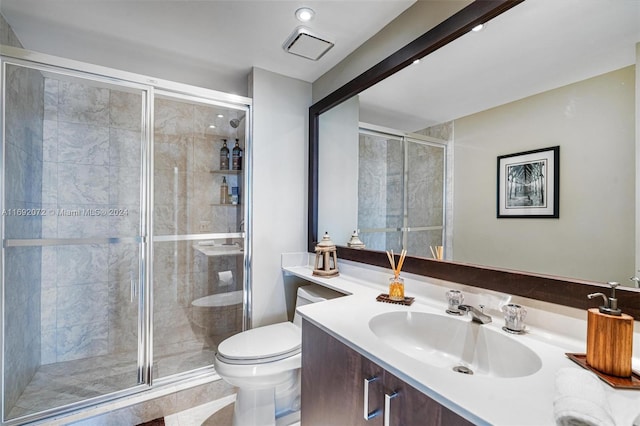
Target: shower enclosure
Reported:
[(402, 186), (122, 266)]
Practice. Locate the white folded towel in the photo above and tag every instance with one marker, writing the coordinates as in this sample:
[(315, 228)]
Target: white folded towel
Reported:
[(581, 399)]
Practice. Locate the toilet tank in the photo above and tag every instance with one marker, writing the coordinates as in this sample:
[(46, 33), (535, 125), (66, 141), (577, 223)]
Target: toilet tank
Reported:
[(312, 293)]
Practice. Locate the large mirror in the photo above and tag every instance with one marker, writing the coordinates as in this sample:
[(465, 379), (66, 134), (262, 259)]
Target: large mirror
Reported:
[(544, 73)]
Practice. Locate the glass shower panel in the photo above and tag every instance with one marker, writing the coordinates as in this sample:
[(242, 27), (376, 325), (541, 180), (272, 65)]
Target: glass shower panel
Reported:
[(198, 232), (380, 191), (425, 196), (71, 238)]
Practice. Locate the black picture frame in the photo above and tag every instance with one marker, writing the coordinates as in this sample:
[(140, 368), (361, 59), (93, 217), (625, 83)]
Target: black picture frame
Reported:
[(528, 184)]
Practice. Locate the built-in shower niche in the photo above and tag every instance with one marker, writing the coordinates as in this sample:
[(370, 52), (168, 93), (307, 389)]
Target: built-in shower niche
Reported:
[(215, 311)]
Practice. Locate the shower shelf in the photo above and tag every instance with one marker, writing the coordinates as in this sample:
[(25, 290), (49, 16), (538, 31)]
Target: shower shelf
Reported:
[(226, 172), (225, 205)]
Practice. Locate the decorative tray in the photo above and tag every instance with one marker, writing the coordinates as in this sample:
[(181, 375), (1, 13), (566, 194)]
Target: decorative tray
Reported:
[(632, 382), (385, 298)]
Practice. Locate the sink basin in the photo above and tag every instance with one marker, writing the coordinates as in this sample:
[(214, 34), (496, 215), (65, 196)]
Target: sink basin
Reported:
[(456, 344)]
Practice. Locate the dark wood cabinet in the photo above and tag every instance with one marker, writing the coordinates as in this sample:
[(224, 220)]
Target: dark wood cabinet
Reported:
[(333, 389)]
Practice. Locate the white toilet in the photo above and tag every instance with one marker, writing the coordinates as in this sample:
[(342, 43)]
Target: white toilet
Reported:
[(264, 364)]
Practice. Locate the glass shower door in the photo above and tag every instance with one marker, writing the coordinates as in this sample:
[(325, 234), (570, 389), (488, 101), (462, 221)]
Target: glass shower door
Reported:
[(73, 235), (425, 188), (198, 257), (401, 192), (381, 190)]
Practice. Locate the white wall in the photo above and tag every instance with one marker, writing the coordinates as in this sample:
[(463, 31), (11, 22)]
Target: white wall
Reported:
[(280, 159), (593, 122), (338, 166)]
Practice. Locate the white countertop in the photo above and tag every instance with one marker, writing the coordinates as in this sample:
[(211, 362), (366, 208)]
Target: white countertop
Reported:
[(481, 399)]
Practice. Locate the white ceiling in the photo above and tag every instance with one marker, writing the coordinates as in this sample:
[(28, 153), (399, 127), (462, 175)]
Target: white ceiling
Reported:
[(210, 43), (536, 46)]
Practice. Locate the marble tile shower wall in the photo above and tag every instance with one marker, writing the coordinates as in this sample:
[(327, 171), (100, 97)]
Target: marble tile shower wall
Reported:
[(186, 193), (91, 162), (23, 177)]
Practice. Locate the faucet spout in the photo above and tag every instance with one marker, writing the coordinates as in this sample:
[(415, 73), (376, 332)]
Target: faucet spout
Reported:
[(476, 314)]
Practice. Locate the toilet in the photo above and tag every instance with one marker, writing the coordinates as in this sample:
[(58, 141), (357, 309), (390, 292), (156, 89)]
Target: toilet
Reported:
[(264, 364)]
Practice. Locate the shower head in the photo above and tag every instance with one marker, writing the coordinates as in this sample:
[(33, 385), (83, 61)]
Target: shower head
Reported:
[(235, 122)]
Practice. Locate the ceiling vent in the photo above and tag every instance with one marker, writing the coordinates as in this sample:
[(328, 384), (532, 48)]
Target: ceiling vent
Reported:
[(303, 42)]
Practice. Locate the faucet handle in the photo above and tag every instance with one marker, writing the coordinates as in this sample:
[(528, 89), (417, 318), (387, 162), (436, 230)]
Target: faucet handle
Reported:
[(514, 316), (455, 298)]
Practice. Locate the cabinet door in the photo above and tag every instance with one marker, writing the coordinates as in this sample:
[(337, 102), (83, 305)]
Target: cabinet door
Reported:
[(332, 382), (410, 407), (333, 389)]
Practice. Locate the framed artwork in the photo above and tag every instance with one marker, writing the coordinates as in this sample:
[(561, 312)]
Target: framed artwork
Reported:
[(529, 184)]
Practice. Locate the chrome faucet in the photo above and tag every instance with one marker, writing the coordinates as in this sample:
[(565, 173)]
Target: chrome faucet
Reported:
[(476, 314)]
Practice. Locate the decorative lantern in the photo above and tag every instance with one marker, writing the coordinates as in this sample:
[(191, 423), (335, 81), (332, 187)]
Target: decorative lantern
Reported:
[(326, 258), (355, 241)]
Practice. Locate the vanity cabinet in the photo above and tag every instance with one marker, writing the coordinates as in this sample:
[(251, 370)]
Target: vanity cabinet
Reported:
[(333, 389)]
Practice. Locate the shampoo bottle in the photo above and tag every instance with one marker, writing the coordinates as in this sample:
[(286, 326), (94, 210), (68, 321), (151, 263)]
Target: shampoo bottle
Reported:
[(224, 191), (224, 156), (236, 156)]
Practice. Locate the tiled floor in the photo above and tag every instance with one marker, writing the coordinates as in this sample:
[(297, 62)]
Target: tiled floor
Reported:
[(64, 383), (217, 413)]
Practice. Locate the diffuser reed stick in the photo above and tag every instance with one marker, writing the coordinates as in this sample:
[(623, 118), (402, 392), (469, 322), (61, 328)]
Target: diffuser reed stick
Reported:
[(392, 262)]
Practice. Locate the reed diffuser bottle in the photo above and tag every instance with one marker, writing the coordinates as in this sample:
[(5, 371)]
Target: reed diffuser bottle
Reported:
[(396, 283)]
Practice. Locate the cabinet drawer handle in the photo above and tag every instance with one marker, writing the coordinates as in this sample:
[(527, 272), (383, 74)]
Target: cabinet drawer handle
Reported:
[(369, 415), (387, 407)]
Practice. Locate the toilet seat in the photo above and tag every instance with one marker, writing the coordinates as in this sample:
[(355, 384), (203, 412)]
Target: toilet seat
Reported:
[(261, 345)]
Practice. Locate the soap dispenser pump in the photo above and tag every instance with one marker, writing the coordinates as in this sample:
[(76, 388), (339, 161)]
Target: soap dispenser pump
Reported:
[(610, 306), (609, 336)]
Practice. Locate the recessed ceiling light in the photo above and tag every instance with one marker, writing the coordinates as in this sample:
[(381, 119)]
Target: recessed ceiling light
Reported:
[(220, 115), (305, 14), (212, 126), (478, 27)]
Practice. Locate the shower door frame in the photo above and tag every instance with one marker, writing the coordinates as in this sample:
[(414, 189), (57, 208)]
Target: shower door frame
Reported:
[(447, 188), (150, 86)]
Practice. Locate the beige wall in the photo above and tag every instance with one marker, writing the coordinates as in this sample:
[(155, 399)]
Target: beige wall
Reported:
[(593, 122), (411, 24)]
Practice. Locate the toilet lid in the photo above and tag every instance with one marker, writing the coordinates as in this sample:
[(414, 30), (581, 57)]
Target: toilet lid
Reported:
[(262, 344)]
